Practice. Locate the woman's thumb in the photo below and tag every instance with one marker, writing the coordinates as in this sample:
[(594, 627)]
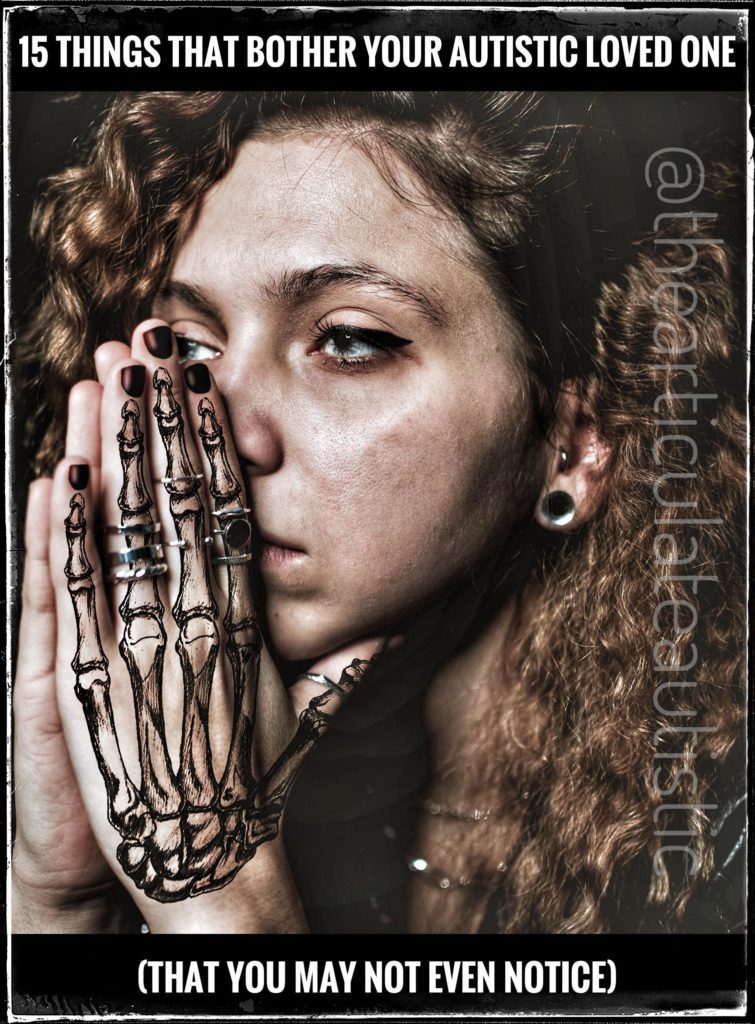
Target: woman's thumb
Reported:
[(336, 675)]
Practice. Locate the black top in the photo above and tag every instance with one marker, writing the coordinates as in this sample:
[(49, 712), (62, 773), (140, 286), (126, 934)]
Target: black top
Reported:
[(350, 818)]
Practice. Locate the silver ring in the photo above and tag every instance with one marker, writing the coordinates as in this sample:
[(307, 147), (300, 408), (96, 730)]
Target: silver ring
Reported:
[(182, 544), (146, 529), (318, 677), (181, 479), (146, 572), (236, 531), (129, 555), (238, 511), (232, 559)]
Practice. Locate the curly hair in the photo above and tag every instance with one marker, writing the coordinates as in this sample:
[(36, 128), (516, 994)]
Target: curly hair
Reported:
[(578, 731), (601, 648)]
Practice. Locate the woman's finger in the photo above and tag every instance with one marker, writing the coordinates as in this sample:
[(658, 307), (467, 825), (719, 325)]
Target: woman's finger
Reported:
[(231, 548), (36, 640), (318, 695), (86, 652), (84, 447), (175, 462), (137, 575), (73, 554), (153, 344), (230, 514), (333, 678), (127, 487), (174, 458), (107, 355), (83, 427), (55, 853)]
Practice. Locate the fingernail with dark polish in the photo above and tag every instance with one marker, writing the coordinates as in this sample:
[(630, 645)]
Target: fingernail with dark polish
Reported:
[(132, 380), (78, 476), (159, 342), (197, 378)]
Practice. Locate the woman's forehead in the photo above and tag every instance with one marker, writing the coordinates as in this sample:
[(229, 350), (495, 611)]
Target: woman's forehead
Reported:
[(318, 200), (321, 181)]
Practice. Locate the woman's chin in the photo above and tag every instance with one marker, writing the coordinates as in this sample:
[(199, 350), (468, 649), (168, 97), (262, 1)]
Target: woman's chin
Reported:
[(299, 634)]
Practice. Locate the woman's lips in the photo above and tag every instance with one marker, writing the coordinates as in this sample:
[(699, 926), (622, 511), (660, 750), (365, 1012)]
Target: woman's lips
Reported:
[(275, 556), (275, 553)]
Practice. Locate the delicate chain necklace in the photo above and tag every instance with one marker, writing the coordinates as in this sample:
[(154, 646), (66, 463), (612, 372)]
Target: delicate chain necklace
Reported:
[(443, 880), (438, 809), (419, 865)]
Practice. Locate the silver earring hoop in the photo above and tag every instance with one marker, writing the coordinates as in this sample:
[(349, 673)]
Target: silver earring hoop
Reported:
[(558, 508)]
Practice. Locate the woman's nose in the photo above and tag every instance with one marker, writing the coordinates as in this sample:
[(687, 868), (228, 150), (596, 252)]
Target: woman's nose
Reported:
[(249, 396)]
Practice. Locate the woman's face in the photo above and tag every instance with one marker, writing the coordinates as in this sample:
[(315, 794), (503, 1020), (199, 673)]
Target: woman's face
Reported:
[(373, 380)]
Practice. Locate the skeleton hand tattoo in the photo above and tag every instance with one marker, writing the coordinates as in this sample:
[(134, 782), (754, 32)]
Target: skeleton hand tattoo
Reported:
[(182, 833)]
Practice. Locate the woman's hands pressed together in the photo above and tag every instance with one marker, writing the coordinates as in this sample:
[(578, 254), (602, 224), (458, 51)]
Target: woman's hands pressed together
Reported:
[(180, 736)]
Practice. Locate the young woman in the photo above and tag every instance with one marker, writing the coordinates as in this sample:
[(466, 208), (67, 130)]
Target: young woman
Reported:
[(385, 344)]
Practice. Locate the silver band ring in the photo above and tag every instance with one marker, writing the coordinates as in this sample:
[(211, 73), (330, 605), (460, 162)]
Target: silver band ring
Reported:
[(146, 572), (318, 677), (232, 559), (128, 556), (145, 529), (181, 479), (237, 511)]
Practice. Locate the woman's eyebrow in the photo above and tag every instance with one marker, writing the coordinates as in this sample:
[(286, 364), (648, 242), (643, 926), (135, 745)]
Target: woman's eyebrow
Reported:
[(192, 296), (302, 285), (299, 286)]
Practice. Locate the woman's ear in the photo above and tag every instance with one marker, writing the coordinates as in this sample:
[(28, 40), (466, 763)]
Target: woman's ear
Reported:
[(577, 476)]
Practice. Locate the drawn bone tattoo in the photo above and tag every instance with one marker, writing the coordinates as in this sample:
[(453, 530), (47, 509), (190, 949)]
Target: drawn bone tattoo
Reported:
[(182, 833)]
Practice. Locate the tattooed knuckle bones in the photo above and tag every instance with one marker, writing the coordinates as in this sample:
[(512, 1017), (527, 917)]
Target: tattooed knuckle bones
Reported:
[(182, 832)]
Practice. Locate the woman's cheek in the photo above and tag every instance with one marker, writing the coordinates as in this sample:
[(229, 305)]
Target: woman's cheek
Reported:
[(374, 558), (406, 497)]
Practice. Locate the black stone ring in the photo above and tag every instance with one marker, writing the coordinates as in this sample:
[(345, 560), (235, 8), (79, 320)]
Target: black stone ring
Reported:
[(236, 531)]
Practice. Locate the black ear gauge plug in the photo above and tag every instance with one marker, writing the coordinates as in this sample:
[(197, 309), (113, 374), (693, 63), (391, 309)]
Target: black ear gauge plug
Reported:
[(558, 508)]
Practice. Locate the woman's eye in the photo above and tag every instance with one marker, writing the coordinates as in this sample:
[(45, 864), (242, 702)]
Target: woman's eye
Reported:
[(355, 346), (191, 349)]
